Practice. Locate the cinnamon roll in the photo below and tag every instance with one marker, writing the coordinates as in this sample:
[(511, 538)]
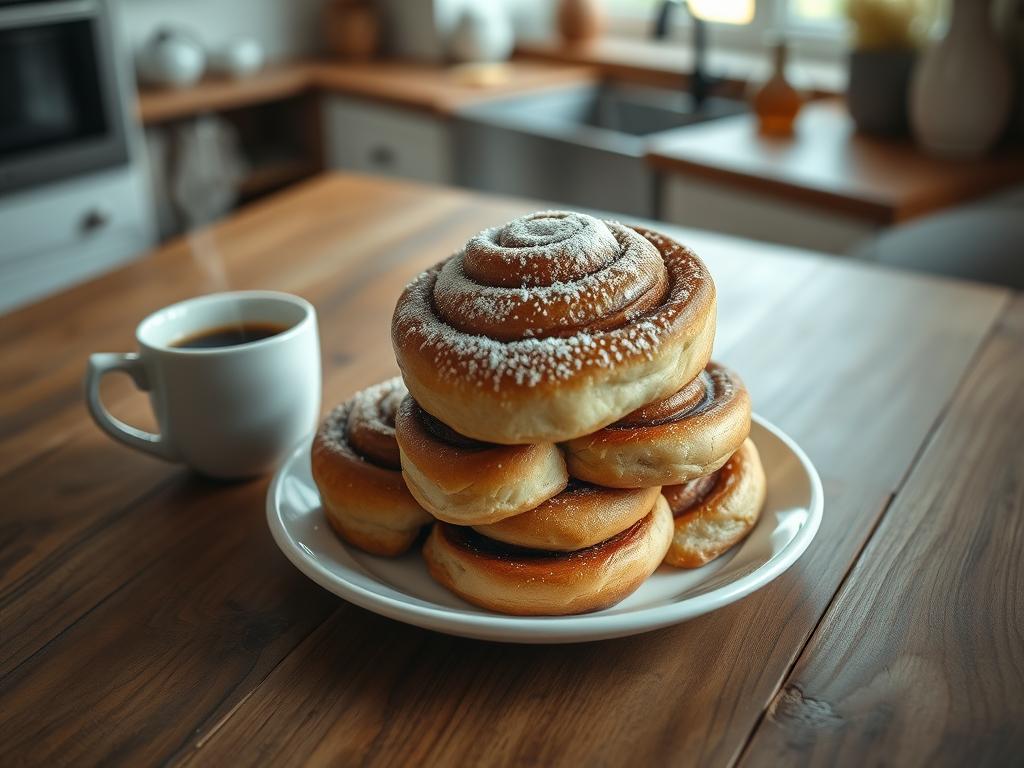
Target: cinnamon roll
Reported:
[(532, 582), (468, 482), (688, 434), (553, 326), (715, 512), (580, 516), (356, 467)]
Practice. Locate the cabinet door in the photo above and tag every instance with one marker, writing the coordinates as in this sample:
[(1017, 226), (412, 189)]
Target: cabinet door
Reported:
[(32, 276), (704, 204), (59, 234), (390, 141)]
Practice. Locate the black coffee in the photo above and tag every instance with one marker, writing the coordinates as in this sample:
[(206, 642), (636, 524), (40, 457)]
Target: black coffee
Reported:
[(229, 336)]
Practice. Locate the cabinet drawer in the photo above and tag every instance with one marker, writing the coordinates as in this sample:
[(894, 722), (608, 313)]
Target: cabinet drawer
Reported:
[(390, 141), (57, 216), (30, 276)]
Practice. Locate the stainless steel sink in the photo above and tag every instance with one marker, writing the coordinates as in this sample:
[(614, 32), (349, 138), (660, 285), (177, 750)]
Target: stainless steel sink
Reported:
[(580, 146)]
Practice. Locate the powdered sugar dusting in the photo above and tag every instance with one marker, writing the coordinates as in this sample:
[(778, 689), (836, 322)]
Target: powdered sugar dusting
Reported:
[(542, 311), (481, 361), (540, 249)]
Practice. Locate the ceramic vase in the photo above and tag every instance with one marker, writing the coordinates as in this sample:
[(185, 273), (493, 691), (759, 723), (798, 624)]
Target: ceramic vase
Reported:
[(580, 20), (483, 33), (777, 103), (352, 30), (961, 88)]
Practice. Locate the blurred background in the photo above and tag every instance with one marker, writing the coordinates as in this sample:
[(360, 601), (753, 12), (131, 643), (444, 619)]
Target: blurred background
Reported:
[(884, 130)]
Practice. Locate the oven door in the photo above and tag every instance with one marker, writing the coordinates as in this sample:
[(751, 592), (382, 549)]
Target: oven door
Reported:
[(62, 105)]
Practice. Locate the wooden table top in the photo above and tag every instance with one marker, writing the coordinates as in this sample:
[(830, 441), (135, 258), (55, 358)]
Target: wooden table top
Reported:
[(146, 616), (827, 164), (437, 89)]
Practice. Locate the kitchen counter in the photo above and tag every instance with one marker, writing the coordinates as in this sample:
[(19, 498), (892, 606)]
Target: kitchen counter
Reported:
[(440, 90), (828, 165), (668, 63), (148, 617)]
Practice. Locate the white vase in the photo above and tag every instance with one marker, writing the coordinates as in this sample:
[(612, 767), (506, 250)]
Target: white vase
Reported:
[(483, 33), (961, 89)]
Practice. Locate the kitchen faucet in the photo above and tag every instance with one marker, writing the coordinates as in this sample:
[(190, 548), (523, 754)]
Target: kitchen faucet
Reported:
[(701, 82)]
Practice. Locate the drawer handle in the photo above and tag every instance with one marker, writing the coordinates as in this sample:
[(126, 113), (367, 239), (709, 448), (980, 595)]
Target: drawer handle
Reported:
[(95, 220)]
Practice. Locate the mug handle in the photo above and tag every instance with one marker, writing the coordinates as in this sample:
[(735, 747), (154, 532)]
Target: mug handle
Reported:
[(103, 363)]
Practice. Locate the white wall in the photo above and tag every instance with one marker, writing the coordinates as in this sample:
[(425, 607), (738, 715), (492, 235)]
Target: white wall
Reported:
[(286, 28)]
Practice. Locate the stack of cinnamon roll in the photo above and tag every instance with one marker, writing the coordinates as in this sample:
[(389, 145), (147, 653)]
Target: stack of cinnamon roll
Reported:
[(558, 423)]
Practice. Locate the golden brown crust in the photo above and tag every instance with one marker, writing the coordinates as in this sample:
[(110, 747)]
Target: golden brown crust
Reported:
[(468, 482), (364, 497), (581, 516), (525, 582), (710, 520), (686, 435), (567, 373)]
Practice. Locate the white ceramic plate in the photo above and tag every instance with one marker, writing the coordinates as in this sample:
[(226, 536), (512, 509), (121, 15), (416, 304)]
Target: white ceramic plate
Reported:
[(401, 588)]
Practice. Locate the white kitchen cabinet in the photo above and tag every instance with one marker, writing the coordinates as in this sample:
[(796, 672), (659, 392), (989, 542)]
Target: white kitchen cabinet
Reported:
[(60, 234), (391, 141), (696, 202)]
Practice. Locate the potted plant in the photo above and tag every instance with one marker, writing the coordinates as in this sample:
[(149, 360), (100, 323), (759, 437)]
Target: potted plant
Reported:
[(882, 58)]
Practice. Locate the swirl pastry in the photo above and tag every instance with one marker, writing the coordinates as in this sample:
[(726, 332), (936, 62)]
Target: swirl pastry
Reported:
[(356, 467), (688, 434), (581, 516), (532, 582), (553, 326), (468, 482), (715, 512)]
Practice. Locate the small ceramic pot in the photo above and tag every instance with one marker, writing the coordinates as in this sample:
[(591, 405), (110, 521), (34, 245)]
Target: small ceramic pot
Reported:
[(877, 95), (352, 30), (239, 58), (580, 20), (171, 57)]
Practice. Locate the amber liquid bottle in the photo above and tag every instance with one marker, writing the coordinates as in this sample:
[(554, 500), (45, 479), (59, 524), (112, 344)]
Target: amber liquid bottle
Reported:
[(777, 103)]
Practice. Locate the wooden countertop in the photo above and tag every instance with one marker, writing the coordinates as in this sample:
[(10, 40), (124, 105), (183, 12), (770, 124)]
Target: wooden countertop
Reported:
[(829, 165), (440, 90), (147, 616)]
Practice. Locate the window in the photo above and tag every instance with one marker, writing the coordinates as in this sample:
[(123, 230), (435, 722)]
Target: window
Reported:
[(816, 25), (820, 13)]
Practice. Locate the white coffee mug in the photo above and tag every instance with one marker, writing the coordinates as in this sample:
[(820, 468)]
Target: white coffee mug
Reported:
[(228, 411)]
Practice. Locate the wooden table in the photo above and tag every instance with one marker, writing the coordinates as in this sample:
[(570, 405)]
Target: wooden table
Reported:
[(147, 618)]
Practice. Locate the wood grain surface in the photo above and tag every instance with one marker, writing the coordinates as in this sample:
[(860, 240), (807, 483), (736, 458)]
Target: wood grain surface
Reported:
[(920, 660), (145, 616)]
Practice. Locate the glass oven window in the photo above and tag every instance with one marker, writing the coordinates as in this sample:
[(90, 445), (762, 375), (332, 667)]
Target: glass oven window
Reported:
[(51, 89)]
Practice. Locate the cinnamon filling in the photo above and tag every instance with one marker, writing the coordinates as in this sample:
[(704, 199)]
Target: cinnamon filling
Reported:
[(692, 399), (445, 434), (682, 498), (476, 543)]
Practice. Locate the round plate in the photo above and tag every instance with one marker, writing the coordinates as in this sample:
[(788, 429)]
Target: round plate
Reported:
[(400, 588)]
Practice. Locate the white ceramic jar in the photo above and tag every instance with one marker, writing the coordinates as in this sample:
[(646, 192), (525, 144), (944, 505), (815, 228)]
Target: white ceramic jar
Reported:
[(171, 57)]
